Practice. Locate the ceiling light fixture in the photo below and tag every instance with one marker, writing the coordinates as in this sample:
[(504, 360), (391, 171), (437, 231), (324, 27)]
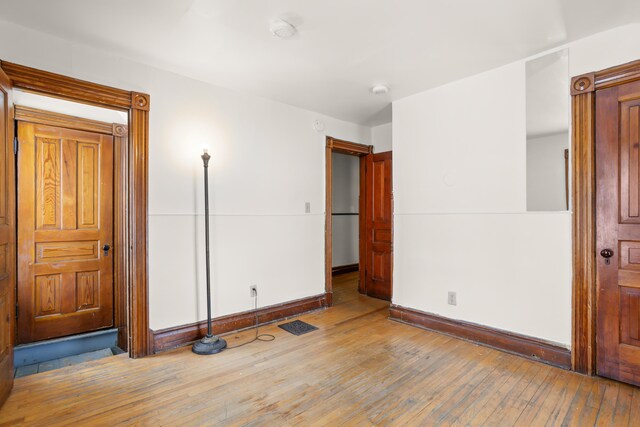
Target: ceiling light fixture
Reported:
[(379, 90), (282, 29)]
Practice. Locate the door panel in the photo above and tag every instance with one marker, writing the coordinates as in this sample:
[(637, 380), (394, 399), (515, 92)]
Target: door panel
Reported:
[(65, 203), (618, 230), (7, 238), (379, 224)]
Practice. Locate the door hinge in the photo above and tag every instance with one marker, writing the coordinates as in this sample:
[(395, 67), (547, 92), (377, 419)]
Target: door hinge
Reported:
[(15, 145)]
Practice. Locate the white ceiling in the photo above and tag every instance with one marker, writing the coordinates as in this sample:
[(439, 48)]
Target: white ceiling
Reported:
[(341, 49)]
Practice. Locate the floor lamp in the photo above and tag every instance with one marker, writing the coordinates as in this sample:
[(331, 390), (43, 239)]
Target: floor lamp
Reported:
[(210, 344)]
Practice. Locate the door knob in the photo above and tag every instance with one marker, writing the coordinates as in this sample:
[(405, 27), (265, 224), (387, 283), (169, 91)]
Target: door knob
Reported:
[(106, 248), (606, 253)]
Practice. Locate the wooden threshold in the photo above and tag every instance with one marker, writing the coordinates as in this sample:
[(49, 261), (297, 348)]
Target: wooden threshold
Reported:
[(532, 348)]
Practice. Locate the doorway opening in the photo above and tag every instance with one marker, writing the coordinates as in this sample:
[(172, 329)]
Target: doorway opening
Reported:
[(70, 293), (606, 223), (135, 106), (345, 220), (134, 175), (358, 233)]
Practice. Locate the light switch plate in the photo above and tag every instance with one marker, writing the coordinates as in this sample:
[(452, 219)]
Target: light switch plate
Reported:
[(451, 298)]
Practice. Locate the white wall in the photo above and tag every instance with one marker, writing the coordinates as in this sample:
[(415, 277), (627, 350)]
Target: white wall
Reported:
[(382, 138), (345, 199), (460, 201), (459, 184), (546, 186), (547, 94), (76, 109), (267, 162)]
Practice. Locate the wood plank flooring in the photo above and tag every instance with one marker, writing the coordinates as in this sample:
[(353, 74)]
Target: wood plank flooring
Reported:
[(359, 368)]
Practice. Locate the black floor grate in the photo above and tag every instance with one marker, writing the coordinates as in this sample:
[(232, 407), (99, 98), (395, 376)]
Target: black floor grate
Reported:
[(297, 327)]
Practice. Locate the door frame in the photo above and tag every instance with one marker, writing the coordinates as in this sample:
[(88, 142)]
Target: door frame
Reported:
[(134, 178), (584, 298), (119, 132), (335, 145)]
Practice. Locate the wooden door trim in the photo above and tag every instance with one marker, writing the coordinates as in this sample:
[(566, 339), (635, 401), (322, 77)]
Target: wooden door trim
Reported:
[(59, 86), (8, 270), (362, 224), (134, 180), (354, 149), (346, 147), (583, 92)]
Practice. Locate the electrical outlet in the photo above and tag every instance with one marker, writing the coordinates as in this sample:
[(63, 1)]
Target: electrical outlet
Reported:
[(253, 290), (307, 207), (451, 298)]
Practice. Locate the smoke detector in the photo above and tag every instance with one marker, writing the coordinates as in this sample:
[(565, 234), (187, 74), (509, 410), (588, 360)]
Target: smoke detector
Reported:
[(282, 29), (379, 90)]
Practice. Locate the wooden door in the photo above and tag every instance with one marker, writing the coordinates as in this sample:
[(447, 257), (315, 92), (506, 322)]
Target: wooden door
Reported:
[(65, 204), (7, 238), (378, 225), (618, 232)]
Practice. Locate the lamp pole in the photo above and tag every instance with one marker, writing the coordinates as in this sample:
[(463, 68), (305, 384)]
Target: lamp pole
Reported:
[(210, 344)]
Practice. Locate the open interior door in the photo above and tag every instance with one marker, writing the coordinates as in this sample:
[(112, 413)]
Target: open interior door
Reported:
[(7, 238), (378, 226)]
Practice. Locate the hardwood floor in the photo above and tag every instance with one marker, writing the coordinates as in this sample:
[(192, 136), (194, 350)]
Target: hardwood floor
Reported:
[(359, 368)]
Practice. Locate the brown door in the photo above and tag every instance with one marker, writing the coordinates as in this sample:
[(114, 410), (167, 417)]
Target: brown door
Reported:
[(7, 239), (65, 209), (378, 225), (618, 232)]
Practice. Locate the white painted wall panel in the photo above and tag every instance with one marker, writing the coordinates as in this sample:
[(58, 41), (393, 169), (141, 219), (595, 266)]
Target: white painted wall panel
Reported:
[(382, 138), (345, 243), (460, 201), (510, 271), (279, 253), (267, 162), (546, 183), (28, 99), (345, 199), (603, 50), (456, 147)]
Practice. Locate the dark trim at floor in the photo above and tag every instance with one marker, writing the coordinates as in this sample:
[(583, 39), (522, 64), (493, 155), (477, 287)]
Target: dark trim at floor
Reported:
[(532, 348), (343, 269), (166, 339)]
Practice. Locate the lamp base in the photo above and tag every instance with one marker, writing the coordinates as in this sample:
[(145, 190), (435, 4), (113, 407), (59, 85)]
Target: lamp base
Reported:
[(209, 345)]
